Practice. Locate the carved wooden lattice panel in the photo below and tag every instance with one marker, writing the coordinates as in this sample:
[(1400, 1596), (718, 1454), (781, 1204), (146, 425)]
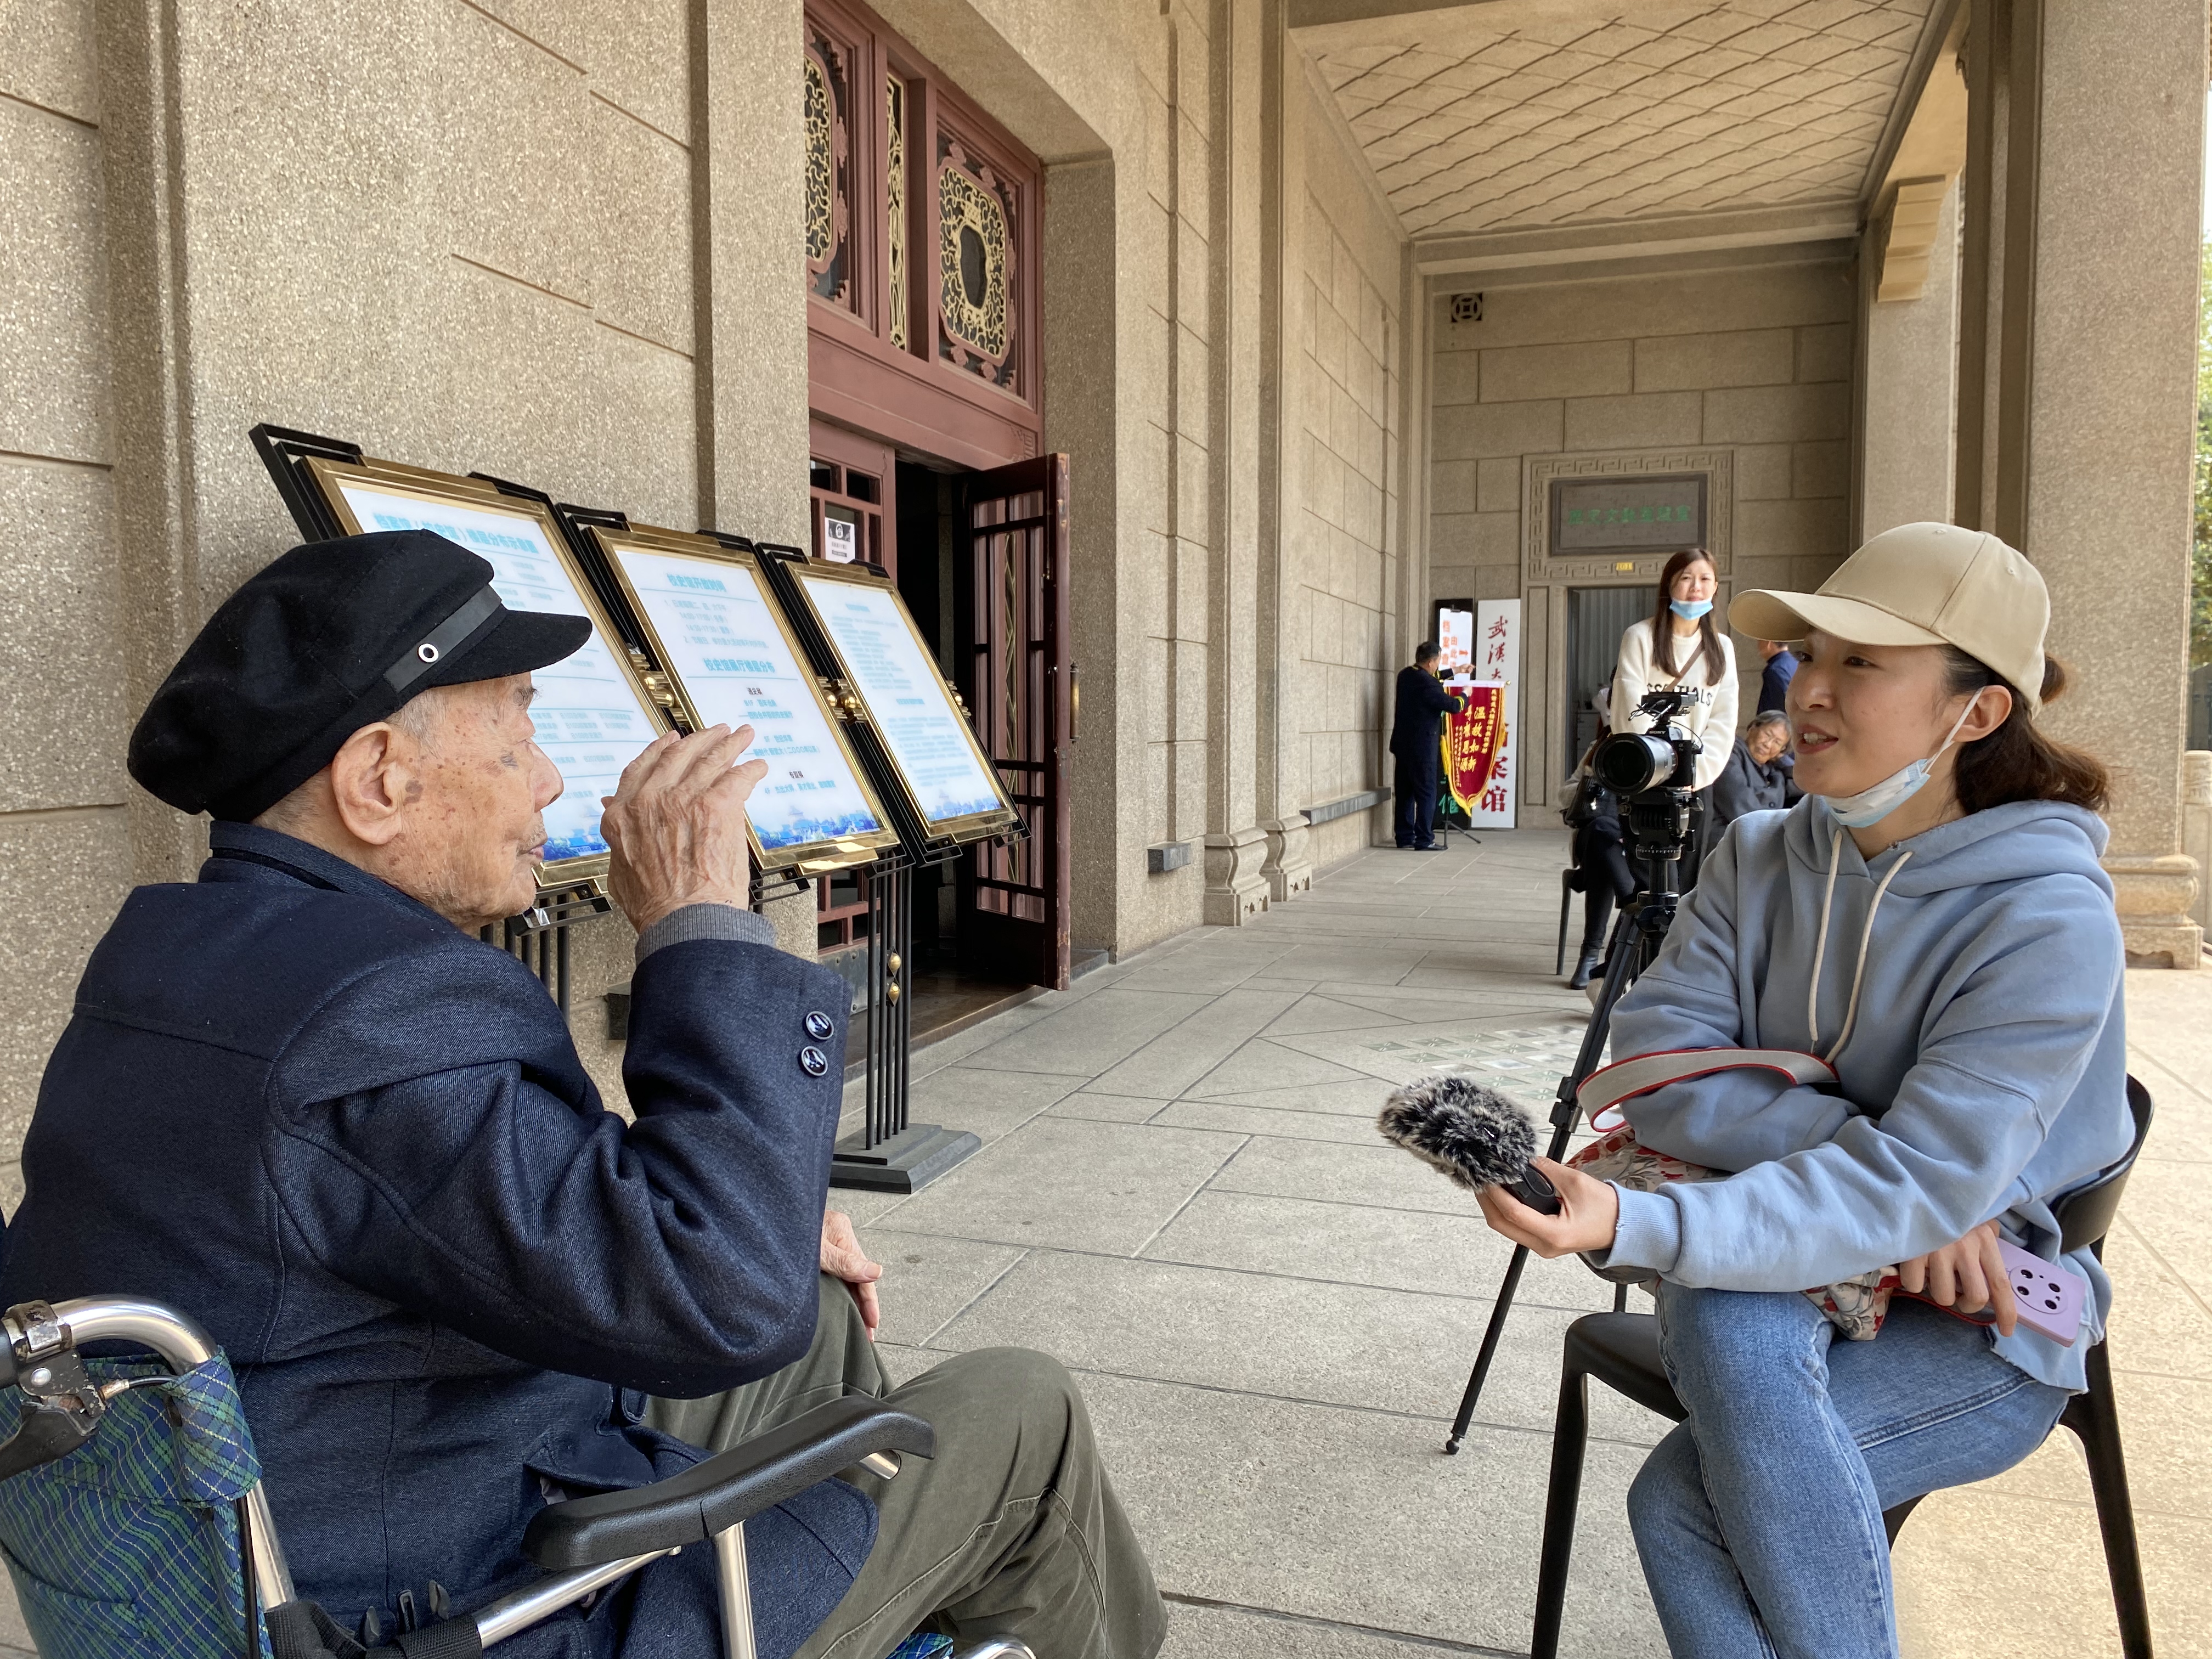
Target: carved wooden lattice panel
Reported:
[(895, 226), (922, 225), (976, 314), (827, 79)]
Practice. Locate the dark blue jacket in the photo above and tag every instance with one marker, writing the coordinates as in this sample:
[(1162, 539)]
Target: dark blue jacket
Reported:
[(1745, 786), (358, 1146), (1417, 722), (1774, 682)]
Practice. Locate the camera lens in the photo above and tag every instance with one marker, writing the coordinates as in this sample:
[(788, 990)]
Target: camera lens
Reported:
[(1629, 763)]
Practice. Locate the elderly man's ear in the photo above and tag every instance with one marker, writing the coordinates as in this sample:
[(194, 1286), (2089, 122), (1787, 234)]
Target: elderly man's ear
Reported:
[(375, 776)]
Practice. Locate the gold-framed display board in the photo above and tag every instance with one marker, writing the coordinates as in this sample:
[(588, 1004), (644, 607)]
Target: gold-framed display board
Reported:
[(710, 623), (594, 711), (887, 672)]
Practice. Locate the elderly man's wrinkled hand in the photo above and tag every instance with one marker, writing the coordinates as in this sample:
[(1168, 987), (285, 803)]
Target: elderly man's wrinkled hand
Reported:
[(843, 1258), (676, 825)]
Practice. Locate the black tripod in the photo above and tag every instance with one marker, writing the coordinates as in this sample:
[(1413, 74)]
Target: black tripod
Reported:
[(1660, 820)]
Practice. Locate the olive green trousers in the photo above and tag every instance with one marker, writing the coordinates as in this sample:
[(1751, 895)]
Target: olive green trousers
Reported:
[(1011, 1530)]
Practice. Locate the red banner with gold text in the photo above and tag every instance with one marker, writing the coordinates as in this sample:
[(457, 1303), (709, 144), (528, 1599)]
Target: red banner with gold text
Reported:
[(1472, 742)]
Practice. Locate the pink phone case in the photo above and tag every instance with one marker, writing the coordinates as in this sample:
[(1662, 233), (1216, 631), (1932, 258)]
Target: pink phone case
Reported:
[(2048, 1294)]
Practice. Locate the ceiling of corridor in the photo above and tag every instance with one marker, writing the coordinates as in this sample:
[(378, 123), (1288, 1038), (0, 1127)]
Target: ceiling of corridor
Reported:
[(1525, 114)]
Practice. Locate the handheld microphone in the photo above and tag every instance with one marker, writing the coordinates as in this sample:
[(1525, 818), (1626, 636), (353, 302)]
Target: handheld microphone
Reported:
[(1473, 1134)]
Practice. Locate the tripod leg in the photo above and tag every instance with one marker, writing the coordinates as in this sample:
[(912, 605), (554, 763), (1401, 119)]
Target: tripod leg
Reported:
[(1480, 1374), (1625, 962)]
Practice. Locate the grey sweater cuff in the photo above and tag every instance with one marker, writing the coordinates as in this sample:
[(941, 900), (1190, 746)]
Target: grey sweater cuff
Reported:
[(705, 921), (1649, 1234)]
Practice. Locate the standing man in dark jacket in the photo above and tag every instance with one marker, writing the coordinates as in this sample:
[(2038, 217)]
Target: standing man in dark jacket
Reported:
[(1416, 730), (1774, 678), (300, 1101)]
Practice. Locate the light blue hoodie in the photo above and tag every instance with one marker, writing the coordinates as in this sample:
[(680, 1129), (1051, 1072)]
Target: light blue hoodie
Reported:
[(1984, 1071)]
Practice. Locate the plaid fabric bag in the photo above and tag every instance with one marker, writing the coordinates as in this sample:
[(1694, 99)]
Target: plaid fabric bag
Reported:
[(1855, 1306), (127, 1548)]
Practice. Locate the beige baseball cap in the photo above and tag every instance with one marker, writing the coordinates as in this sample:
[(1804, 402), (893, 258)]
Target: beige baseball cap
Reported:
[(1922, 584)]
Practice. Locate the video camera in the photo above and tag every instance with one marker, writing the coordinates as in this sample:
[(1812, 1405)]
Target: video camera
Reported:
[(1654, 774)]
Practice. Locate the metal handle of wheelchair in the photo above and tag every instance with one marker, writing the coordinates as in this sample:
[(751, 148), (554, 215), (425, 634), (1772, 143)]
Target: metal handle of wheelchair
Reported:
[(181, 1345), (499, 1619)]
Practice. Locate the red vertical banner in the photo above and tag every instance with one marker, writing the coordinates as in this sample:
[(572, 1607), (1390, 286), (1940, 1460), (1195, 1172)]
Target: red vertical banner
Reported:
[(1472, 742)]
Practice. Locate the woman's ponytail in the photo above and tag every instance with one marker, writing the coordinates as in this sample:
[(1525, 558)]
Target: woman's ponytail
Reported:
[(2017, 762)]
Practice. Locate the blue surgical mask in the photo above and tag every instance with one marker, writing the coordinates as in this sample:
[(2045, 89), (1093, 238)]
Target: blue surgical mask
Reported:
[(1871, 806), (1689, 609)]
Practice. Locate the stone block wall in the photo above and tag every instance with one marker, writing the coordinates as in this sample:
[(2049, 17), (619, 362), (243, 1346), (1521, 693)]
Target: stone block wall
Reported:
[(461, 235), (1173, 602), (1757, 358), (1343, 580), (65, 838)]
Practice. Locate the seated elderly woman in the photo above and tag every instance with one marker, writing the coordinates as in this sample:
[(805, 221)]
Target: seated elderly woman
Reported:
[(1755, 779), (1933, 922), (301, 1101)]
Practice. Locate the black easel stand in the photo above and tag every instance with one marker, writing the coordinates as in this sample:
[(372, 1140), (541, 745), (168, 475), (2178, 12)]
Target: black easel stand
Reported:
[(1638, 933), (890, 1155)]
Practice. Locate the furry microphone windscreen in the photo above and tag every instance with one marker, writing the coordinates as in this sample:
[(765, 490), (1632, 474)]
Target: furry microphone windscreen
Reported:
[(1475, 1136)]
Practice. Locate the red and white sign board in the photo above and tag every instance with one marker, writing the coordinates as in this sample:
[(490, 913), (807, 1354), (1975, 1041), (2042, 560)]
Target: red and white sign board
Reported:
[(1482, 747)]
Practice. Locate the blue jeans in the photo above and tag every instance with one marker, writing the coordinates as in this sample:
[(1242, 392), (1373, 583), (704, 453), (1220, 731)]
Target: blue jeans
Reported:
[(1759, 1521)]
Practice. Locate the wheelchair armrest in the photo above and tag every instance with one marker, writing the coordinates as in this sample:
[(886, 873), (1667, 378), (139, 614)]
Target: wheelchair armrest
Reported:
[(713, 1496)]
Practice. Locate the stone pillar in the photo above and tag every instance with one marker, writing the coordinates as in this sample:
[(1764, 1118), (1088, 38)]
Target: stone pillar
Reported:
[(1289, 867), (155, 501), (1908, 379), (1235, 886), (2196, 827), (1278, 777), (1244, 691), (2078, 386)]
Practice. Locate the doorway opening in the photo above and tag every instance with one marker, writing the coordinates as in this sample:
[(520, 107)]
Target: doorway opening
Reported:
[(954, 983), (1597, 618), (909, 517)]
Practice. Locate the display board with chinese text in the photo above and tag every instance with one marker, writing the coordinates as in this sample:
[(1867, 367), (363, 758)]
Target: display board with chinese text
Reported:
[(713, 626), (951, 785)]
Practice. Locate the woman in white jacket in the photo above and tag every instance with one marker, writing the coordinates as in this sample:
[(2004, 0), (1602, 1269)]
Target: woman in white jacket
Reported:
[(1680, 647)]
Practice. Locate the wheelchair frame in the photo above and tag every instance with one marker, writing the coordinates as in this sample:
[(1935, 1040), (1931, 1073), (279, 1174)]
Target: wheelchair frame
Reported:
[(596, 1541)]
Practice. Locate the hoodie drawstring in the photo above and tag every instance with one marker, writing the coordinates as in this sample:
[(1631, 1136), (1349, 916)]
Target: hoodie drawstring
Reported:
[(1820, 948)]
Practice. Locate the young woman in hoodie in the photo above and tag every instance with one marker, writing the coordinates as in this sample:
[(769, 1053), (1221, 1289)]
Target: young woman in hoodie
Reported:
[(1932, 921), (1678, 646)]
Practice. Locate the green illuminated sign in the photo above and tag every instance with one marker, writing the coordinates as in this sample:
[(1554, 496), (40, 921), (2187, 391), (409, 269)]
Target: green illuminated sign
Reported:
[(1628, 516)]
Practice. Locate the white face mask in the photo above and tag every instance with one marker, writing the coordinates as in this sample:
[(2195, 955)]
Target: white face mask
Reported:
[(1871, 806)]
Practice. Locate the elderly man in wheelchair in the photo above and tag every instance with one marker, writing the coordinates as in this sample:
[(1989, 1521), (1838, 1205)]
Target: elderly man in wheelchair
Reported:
[(518, 1372)]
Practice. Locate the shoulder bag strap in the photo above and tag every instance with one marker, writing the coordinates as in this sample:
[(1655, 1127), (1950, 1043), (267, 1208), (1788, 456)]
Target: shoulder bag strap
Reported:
[(1607, 1087)]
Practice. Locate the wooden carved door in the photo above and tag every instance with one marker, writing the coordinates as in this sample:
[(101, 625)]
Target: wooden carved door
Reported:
[(1021, 687)]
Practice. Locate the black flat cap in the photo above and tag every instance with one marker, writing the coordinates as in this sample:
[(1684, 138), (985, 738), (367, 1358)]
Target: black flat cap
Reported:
[(331, 637)]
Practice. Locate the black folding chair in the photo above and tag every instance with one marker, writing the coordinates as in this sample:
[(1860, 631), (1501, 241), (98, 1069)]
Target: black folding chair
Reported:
[(1621, 1350)]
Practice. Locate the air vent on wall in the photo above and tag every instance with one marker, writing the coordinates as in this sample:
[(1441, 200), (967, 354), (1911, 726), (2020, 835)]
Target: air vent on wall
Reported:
[(1467, 307)]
